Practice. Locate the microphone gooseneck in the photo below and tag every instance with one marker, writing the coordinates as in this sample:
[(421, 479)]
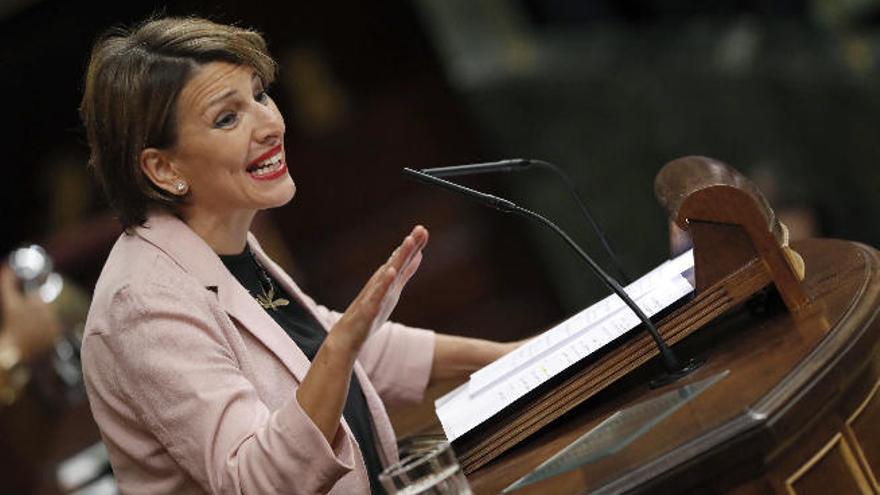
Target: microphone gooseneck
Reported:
[(671, 363), (516, 164)]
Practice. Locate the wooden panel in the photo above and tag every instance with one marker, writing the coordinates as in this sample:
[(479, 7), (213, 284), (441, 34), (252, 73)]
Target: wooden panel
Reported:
[(834, 469), (759, 486), (787, 379), (864, 429)]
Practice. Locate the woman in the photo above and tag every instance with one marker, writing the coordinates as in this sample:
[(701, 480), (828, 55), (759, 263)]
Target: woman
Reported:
[(207, 368)]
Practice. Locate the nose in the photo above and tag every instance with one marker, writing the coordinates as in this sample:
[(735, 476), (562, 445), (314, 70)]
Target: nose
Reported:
[(270, 124)]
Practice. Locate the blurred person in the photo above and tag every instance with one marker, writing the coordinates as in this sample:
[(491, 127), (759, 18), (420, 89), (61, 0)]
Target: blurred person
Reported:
[(29, 328), (207, 368)]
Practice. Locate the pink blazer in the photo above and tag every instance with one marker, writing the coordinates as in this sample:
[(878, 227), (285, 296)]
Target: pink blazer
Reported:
[(192, 383)]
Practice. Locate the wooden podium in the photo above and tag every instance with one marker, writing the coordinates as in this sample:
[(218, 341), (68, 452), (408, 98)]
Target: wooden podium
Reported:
[(798, 410)]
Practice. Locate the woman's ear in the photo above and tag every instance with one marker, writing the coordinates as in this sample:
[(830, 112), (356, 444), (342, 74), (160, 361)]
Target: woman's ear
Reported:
[(157, 166)]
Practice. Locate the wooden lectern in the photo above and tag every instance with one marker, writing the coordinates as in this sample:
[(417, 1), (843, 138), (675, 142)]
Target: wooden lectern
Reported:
[(798, 409)]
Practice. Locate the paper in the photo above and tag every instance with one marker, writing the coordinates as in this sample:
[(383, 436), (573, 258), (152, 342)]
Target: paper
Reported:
[(499, 384)]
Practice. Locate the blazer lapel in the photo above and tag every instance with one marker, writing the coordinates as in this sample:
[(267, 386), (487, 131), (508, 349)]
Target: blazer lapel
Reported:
[(194, 256), (242, 306), (187, 249)]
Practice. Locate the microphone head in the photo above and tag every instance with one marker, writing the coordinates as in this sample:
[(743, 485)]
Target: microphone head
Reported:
[(500, 204), (508, 165)]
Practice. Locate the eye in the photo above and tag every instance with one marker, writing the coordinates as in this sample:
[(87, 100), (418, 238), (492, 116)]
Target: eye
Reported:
[(262, 96), (226, 119)]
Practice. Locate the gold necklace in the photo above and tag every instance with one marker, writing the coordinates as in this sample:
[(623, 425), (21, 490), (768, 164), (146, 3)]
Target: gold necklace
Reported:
[(267, 299)]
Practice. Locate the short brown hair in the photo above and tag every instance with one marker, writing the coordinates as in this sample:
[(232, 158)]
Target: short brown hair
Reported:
[(130, 97)]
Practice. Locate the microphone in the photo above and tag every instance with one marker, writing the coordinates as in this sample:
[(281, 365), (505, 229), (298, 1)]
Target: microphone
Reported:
[(516, 164), (671, 363), (510, 165), (487, 199)]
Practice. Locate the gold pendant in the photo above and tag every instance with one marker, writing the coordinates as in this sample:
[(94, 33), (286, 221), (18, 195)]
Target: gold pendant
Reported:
[(268, 301)]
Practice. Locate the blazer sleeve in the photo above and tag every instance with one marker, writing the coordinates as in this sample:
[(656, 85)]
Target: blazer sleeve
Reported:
[(168, 360), (397, 358)]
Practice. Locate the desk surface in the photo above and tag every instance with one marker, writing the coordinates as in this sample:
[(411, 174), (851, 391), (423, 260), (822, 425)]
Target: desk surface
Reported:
[(783, 373)]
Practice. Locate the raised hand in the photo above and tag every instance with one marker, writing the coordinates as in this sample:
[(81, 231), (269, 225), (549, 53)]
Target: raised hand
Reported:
[(324, 389), (375, 302)]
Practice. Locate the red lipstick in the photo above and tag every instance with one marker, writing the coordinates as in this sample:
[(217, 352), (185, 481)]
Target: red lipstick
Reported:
[(271, 152), (274, 175)]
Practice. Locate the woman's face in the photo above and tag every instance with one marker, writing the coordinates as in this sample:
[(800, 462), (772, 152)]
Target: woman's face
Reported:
[(230, 143)]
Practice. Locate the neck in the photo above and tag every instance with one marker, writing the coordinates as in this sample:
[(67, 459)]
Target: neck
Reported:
[(226, 234)]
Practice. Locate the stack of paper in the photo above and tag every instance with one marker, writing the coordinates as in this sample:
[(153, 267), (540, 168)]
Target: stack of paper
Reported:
[(496, 386)]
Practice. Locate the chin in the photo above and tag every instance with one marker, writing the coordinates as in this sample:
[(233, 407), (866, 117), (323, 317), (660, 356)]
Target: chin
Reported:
[(283, 196)]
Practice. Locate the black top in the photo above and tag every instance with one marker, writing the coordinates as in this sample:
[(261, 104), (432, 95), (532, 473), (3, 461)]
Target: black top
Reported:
[(309, 334)]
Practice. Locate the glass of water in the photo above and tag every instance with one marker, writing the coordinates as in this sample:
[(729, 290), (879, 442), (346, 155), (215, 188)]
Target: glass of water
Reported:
[(432, 470)]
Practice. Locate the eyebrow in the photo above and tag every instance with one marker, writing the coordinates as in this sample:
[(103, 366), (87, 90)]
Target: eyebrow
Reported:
[(217, 99), (229, 93)]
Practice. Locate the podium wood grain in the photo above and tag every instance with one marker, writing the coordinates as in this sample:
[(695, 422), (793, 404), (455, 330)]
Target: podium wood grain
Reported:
[(798, 410)]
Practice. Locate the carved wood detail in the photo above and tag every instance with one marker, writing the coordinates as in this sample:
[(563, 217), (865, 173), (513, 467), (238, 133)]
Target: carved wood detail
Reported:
[(863, 428), (833, 469)]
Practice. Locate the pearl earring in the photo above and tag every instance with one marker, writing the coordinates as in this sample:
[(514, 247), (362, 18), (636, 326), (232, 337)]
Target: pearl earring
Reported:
[(180, 186)]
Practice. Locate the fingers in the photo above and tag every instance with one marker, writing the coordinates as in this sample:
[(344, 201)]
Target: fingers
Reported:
[(410, 269), (358, 320), (379, 290), (402, 257), (370, 298), (379, 296), (420, 234), (380, 278), (412, 243), (10, 295), (404, 261)]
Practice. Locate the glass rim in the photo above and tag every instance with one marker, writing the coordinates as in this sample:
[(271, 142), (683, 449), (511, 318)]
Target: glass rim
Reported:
[(416, 459)]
